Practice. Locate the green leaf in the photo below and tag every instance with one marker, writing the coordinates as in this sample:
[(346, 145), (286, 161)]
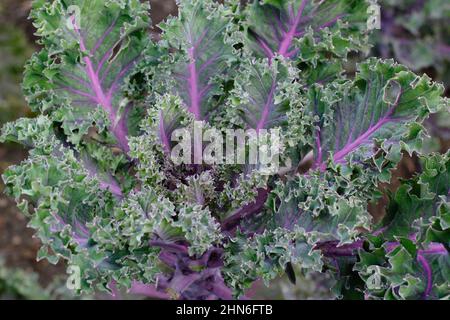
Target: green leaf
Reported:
[(273, 27), (89, 48)]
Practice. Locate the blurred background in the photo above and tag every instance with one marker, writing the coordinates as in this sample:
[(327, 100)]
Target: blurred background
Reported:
[(414, 32)]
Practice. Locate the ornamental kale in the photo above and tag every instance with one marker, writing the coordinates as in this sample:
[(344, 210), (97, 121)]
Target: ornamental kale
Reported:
[(416, 34), (116, 185)]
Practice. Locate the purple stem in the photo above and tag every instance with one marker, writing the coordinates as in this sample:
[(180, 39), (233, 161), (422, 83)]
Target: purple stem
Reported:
[(265, 47), (231, 222), (103, 37), (428, 273), (101, 98), (168, 258), (113, 187), (181, 282), (80, 235), (351, 146), (292, 53), (331, 250), (193, 85), (209, 62), (171, 247), (78, 79), (434, 248), (147, 290), (119, 76), (115, 293), (331, 22), (266, 111), (111, 184), (81, 93), (162, 134), (286, 43), (222, 291), (103, 60)]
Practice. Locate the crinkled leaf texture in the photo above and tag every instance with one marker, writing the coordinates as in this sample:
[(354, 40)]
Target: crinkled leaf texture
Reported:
[(409, 259), (88, 53), (202, 58), (273, 27), (376, 110), (102, 191)]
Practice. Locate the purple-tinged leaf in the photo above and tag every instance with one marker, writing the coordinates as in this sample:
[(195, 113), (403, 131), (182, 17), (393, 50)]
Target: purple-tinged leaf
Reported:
[(376, 107), (273, 26), (230, 223), (403, 271), (202, 56), (147, 290), (194, 278), (169, 116), (85, 60), (258, 95)]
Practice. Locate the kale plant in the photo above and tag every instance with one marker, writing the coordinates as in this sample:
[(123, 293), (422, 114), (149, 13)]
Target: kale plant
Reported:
[(104, 191), (416, 33)]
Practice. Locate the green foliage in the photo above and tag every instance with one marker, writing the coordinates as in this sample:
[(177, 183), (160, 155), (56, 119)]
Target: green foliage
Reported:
[(413, 266), (103, 192)]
